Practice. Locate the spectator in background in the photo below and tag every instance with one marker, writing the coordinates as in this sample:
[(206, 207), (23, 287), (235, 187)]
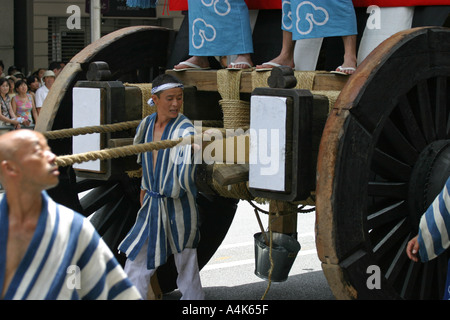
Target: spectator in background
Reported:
[(41, 93), (33, 84), (12, 85), (40, 74), (7, 116), (23, 104), (56, 67), (12, 70), (19, 75), (2, 69)]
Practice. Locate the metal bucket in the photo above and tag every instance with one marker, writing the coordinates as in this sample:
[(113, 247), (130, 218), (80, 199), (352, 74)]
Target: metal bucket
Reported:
[(284, 252)]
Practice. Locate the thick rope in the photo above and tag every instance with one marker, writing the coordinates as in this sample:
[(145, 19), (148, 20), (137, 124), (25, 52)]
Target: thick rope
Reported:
[(68, 133), (272, 264), (236, 113), (115, 127), (146, 92), (119, 152)]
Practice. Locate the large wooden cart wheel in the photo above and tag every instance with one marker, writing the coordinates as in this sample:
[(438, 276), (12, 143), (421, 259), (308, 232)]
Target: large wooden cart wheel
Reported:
[(384, 156), (134, 54)]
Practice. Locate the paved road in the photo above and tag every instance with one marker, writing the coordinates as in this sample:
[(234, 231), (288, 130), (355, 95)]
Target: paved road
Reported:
[(229, 275)]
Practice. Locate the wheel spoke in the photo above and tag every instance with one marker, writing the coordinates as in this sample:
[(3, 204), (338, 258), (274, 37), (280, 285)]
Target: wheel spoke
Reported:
[(426, 281), (391, 238), (425, 111), (398, 262), (402, 147), (407, 290), (441, 107), (387, 214), (390, 168), (397, 190), (103, 218), (88, 184), (98, 197), (412, 128)]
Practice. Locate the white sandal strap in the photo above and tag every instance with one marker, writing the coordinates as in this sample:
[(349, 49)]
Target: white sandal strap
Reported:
[(243, 62), (189, 64)]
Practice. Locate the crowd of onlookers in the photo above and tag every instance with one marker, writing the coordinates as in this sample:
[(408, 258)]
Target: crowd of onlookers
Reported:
[(21, 97)]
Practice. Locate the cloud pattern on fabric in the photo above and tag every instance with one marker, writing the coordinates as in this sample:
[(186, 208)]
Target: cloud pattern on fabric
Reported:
[(221, 7), (286, 20), (201, 32), (308, 15)]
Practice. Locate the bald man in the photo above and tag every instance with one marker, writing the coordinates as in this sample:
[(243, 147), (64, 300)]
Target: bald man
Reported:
[(48, 251)]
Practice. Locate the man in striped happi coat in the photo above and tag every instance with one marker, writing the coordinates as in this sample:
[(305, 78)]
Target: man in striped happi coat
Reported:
[(48, 251), (434, 231), (167, 222)]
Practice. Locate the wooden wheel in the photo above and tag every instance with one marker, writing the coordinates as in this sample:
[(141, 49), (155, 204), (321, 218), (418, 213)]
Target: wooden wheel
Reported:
[(134, 54), (384, 156)]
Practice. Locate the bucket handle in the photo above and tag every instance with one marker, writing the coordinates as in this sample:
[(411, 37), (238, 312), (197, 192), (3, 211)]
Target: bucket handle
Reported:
[(266, 240)]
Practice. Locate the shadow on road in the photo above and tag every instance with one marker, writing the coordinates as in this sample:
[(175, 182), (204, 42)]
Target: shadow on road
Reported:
[(304, 286)]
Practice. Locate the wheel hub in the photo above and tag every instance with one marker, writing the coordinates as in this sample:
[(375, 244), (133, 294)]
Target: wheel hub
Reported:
[(428, 178)]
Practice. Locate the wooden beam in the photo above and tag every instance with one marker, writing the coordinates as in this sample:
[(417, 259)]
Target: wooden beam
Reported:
[(286, 220), (206, 80)]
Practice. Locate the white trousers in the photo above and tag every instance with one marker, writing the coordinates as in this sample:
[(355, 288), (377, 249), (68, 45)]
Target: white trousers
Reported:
[(306, 53), (188, 280), (381, 24)]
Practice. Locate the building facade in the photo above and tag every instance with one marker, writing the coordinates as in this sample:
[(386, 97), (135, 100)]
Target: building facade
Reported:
[(36, 32)]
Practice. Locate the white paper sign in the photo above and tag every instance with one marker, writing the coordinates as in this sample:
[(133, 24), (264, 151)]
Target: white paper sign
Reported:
[(267, 143), (86, 112)]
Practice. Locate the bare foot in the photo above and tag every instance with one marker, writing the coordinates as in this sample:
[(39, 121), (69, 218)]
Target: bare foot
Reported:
[(348, 66), (277, 61), (199, 62), (243, 61)]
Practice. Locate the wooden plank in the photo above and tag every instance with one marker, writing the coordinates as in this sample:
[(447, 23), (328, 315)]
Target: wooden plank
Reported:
[(206, 80), (231, 174), (285, 219), (120, 142)]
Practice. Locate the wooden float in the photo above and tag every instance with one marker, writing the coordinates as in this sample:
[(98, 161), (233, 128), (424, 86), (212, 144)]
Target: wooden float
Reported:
[(380, 149)]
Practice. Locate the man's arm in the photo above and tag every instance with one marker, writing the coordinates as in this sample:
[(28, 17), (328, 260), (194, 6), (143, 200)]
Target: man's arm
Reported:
[(412, 249)]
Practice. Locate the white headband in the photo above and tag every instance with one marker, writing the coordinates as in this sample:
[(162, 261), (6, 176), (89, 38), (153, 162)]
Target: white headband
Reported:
[(163, 87)]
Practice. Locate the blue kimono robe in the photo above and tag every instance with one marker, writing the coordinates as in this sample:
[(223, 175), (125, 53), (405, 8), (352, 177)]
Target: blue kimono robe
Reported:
[(168, 218), (219, 28), (66, 259), (318, 18), (434, 230)]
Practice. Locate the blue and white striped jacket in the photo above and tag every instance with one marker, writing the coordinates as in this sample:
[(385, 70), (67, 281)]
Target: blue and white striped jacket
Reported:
[(168, 218), (434, 227), (66, 259)]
